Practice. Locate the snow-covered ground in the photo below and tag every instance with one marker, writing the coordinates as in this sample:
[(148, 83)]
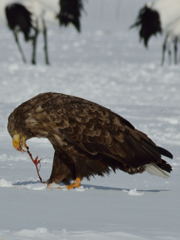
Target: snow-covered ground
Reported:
[(105, 64)]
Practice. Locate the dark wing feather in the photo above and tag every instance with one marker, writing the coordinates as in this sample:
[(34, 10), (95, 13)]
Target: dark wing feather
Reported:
[(164, 152)]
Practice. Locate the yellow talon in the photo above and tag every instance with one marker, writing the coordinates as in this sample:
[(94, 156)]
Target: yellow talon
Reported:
[(75, 184)]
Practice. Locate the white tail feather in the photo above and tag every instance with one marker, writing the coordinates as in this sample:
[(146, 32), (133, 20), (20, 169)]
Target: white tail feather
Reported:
[(155, 170)]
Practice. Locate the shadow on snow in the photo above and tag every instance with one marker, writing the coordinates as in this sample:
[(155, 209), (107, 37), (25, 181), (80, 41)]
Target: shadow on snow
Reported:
[(95, 187)]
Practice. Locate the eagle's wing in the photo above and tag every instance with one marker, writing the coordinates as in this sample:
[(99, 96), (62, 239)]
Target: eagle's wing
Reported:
[(96, 130)]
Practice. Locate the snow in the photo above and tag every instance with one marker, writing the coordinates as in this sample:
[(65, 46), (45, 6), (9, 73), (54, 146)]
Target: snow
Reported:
[(105, 64), (5, 183), (41, 233)]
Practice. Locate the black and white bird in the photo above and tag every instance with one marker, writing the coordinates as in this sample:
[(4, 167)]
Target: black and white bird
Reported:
[(30, 17), (156, 17)]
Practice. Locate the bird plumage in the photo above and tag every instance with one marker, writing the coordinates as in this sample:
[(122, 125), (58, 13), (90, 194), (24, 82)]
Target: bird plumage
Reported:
[(88, 139), (149, 23), (70, 12), (19, 17), (156, 17)]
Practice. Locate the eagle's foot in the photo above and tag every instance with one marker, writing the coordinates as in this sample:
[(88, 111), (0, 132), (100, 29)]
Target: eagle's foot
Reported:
[(75, 184)]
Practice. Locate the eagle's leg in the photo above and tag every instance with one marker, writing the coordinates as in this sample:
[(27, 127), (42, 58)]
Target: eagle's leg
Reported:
[(75, 184), (60, 172), (65, 168)]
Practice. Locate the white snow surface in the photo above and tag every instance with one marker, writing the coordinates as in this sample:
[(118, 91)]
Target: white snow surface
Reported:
[(105, 64)]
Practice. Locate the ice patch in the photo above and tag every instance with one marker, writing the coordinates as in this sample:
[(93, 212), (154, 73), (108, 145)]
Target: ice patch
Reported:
[(99, 33), (6, 157), (173, 121), (81, 189), (13, 68), (134, 192), (5, 183), (35, 188), (32, 233)]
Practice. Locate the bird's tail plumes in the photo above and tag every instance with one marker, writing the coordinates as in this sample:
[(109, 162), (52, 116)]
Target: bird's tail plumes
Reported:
[(153, 169), (160, 168), (70, 12), (148, 20)]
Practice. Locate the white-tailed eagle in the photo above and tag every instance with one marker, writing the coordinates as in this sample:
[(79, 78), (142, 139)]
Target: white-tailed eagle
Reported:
[(88, 139)]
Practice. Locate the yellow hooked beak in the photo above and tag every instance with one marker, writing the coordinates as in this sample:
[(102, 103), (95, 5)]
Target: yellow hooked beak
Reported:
[(19, 143)]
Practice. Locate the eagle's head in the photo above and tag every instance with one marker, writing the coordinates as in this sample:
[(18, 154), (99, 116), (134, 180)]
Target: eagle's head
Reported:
[(18, 133), (28, 120), (19, 142)]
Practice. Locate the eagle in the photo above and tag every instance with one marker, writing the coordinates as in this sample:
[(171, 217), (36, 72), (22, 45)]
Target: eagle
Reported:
[(88, 139)]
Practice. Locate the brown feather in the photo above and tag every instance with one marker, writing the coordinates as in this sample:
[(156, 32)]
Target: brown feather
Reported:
[(91, 138)]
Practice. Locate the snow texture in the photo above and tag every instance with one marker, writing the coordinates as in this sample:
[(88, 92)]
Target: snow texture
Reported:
[(105, 64)]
